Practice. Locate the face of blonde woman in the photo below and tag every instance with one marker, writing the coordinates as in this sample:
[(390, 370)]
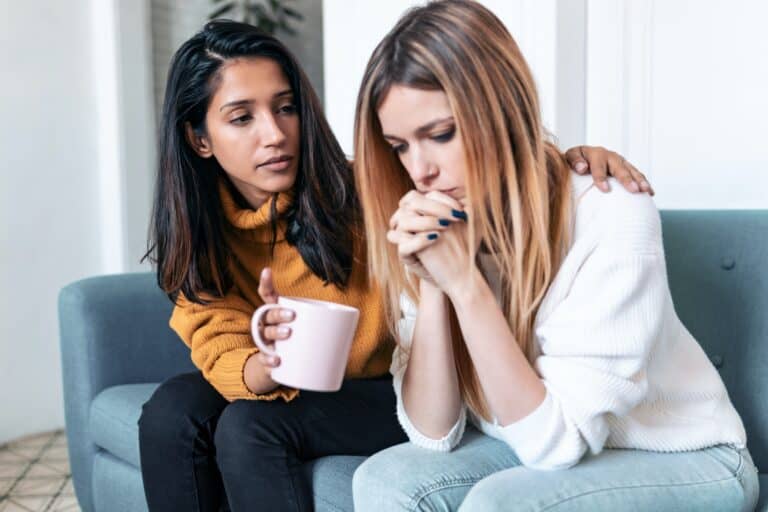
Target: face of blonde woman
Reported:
[(420, 127)]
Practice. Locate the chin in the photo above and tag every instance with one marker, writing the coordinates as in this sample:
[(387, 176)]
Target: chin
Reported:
[(279, 183)]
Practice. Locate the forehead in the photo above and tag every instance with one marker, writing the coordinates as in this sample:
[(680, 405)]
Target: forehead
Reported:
[(405, 109), (249, 78)]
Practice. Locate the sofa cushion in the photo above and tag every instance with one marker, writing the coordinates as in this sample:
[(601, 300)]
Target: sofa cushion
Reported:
[(113, 423), (716, 261), (117, 485), (331, 479), (114, 420)]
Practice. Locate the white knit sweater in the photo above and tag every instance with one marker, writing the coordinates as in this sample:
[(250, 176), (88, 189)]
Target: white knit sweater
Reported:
[(620, 369)]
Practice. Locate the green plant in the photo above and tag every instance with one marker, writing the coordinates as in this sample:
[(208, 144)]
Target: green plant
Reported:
[(270, 16)]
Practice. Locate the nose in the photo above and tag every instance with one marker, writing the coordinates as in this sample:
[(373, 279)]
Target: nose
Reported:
[(421, 169), (270, 132)]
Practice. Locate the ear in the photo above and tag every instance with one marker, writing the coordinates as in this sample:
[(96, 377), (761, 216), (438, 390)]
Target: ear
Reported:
[(200, 143)]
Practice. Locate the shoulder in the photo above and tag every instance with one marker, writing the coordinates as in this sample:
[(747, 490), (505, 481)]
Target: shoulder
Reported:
[(616, 217)]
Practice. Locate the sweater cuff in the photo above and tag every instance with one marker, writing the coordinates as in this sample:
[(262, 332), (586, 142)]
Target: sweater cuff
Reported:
[(228, 377), (443, 444), (542, 439), (519, 433)]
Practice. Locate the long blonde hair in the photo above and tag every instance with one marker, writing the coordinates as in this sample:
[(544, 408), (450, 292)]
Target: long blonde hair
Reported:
[(461, 48)]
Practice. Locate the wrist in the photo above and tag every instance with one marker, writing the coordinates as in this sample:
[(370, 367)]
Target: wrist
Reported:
[(429, 290), (257, 377), (470, 289)]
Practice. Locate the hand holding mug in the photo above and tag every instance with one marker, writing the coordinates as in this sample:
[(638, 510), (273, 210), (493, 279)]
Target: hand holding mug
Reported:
[(312, 354), (273, 325)]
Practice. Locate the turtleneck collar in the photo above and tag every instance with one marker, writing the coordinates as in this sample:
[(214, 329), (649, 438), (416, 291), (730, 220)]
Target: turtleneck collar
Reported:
[(258, 222)]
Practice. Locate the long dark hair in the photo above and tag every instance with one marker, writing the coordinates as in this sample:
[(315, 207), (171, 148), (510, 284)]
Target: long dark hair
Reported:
[(186, 240)]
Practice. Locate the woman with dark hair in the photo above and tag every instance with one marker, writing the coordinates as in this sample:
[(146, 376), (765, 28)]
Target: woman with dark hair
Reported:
[(255, 196)]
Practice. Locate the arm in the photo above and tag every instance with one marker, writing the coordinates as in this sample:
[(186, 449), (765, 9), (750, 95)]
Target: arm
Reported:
[(430, 390), (429, 405), (593, 361), (219, 337)]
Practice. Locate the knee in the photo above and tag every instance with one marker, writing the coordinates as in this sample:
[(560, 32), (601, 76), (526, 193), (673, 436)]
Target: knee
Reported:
[(484, 497), (179, 408), (379, 484), (247, 428), (527, 489)]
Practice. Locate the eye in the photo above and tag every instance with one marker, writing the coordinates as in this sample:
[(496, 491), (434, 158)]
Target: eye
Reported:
[(242, 119), (445, 136), (398, 149), (288, 108)]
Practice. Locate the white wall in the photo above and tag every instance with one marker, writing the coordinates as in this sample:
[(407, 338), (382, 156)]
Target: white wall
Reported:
[(74, 180), (353, 28), (48, 198), (678, 87), (174, 21)]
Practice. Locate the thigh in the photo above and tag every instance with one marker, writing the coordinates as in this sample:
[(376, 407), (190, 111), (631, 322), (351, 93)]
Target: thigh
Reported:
[(709, 479), (406, 477), (185, 396), (359, 419), (176, 432)]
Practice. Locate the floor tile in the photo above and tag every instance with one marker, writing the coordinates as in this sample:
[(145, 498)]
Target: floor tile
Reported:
[(34, 503), (13, 470), (38, 486), (64, 504), (68, 489), (58, 453), (7, 506), (5, 485), (35, 475)]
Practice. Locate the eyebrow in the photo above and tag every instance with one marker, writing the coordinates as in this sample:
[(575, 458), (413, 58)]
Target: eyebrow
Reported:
[(424, 129), (237, 103)]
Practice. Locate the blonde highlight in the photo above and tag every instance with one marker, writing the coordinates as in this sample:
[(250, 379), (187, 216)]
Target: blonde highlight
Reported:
[(521, 214)]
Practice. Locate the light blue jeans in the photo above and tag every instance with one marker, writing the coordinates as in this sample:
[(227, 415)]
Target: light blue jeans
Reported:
[(483, 474)]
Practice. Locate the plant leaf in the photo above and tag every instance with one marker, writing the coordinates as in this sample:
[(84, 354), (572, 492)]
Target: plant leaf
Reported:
[(221, 10)]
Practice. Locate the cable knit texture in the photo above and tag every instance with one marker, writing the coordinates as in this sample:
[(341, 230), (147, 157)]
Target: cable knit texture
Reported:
[(219, 333), (620, 369)]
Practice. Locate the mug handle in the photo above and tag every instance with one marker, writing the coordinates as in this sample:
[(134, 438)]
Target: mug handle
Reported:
[(255, 319)]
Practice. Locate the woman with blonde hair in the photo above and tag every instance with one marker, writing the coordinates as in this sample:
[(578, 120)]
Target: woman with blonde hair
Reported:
[(524, 299)]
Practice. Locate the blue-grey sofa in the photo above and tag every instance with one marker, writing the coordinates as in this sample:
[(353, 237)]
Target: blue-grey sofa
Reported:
[(116, 347)]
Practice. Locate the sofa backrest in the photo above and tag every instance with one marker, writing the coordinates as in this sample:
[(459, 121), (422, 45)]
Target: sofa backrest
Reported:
[(717, 263)]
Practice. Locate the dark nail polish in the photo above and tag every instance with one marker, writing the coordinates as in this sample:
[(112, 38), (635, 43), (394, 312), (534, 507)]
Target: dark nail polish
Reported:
[(432, 236), (444, 222), (459, 214)]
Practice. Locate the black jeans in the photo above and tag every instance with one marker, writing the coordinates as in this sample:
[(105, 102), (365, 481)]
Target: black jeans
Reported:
[(192, 440)]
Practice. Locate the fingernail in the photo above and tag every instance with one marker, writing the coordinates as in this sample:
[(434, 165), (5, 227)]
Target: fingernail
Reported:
[(276, 361), (459, 214), (286, 314), (432, 236), (581, 166), (645, 184), (634, 187), (444, 222), (283, 331)]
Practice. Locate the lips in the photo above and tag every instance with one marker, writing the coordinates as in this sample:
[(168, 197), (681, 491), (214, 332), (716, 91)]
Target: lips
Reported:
[(276, 160)]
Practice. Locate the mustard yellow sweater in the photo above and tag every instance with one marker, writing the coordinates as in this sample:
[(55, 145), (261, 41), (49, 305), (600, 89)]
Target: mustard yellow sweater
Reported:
[(219, 333)]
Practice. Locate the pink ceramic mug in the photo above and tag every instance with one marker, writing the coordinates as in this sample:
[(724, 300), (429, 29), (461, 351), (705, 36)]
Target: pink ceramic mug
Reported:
[(315, 356)]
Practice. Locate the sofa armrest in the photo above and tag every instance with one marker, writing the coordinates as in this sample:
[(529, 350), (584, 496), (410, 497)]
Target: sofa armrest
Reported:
[(113, 330)]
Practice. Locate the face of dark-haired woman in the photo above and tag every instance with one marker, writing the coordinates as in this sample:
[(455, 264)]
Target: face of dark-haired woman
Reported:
[(252, 128)]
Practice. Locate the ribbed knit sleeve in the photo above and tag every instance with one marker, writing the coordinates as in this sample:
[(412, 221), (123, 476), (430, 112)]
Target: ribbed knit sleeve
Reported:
[(219, 336), (595, 346), (399, 365)]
